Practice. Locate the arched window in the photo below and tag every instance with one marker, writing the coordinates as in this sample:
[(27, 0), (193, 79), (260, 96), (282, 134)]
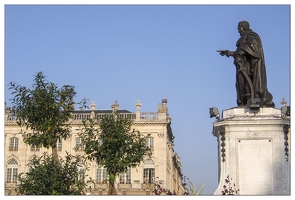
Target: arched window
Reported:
[(12, 168)]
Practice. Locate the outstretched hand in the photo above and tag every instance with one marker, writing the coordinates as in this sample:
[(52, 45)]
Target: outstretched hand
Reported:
[(223, 52)]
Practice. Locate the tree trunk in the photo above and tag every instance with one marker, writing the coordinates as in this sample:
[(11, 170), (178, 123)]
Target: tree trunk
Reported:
[(112, 189)]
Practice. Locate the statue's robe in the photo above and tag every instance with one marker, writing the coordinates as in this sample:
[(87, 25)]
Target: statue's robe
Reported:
[(254, 65)]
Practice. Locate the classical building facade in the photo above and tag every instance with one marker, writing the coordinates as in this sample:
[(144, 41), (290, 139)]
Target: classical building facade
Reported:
[(163, 168)]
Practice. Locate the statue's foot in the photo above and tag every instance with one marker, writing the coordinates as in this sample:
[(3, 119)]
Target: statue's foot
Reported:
[(269, 104)]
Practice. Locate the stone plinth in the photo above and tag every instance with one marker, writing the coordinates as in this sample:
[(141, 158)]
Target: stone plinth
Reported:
[(254, 151)]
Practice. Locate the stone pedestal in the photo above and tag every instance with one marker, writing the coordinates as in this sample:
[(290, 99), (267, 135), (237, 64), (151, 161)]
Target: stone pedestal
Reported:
[(253, 149)]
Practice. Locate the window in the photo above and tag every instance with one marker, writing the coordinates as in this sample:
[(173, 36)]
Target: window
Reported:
[(150, 142), (125, 178), (59, 144), (101, 175), (35, 148), (13, 145), (81, 174), (12, 168), (79, 144), (148, 175), (81, 171)]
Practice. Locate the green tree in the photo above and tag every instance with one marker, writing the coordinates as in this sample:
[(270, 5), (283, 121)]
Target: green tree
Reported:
[(44, 110), (112, 144), (47, 176)]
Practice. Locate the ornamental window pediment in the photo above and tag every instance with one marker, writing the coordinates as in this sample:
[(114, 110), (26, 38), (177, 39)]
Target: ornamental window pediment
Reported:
[(148, 162)]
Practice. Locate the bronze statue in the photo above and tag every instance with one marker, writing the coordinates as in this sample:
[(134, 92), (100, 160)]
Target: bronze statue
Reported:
[(250, 67)]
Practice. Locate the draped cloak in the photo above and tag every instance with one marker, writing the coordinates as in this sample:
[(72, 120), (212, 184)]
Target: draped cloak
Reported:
[(254, 64)]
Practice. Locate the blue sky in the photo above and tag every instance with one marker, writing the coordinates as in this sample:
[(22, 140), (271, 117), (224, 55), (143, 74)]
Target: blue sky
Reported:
[(147, 53)]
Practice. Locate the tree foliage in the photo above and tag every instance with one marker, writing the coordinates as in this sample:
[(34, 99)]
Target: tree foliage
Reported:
[(47, 176), (112, 144), (44, 110)]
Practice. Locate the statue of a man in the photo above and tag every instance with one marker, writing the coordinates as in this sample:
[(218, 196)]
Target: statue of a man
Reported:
[(250, 65)]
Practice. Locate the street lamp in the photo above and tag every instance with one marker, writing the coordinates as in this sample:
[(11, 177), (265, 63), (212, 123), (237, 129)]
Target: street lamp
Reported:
[(214, 113)]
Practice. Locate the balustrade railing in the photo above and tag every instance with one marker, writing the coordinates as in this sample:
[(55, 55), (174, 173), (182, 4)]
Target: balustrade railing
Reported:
[(144, 116), (13, 148), (149, 116), (80, 116), (129, 186)]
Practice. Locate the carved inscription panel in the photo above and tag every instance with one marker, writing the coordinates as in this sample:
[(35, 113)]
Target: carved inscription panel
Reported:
[(255, 160)]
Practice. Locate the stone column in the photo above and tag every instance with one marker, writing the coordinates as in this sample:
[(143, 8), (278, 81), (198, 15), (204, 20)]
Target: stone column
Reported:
[(252, 151)]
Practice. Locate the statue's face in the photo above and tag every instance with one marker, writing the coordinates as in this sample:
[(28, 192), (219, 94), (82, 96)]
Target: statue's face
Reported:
[(240, 28)]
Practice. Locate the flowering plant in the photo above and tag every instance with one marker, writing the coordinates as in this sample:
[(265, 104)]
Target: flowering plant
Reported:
[(228, 189)]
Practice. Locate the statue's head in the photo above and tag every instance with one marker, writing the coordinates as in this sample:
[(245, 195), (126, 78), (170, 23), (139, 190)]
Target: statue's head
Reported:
[(245, 25)]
